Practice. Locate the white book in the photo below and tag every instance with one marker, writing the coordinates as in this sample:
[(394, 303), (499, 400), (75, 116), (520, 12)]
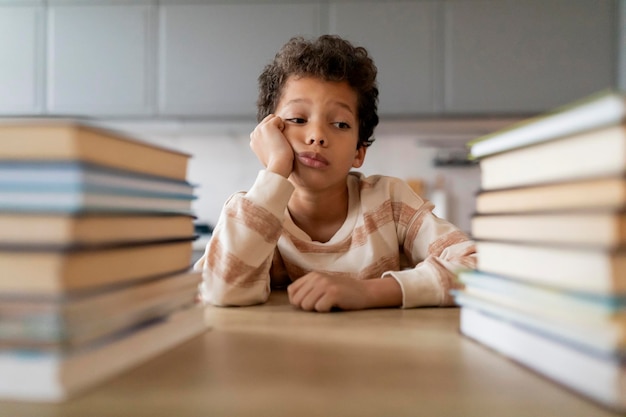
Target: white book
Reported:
[(54, 377), (588, 114), (589, 155), (602, 379)]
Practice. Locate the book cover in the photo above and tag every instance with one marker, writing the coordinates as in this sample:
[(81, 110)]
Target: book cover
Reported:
[(66, 322), (49, 139), (593, 112), (601, 228), (599, 378), (91, 201), (66, 176), (569, 267), (592, 154), (569, 302), (91, 229), (597, 193), (591, 322), (604, 341), (54, 377), (51, 271)]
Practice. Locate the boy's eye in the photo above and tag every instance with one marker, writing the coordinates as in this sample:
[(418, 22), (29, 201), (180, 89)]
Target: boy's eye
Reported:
[(342, 125), (298, 120)]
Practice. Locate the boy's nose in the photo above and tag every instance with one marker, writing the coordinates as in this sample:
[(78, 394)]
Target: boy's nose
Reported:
[(312, 141), (316, 135)]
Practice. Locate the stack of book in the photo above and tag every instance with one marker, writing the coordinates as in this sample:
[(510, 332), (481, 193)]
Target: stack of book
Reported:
[(95, 250), (550, 287)]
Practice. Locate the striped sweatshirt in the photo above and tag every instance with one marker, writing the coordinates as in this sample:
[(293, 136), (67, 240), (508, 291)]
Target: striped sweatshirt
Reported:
[(389, 231)]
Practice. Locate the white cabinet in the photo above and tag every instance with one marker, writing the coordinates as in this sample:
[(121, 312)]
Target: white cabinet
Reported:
[(401, 37), (21, 59), (526, 55), (100, 59), (212, 54)]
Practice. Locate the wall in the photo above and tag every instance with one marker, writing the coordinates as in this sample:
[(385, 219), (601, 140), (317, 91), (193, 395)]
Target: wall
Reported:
[(223, 163)]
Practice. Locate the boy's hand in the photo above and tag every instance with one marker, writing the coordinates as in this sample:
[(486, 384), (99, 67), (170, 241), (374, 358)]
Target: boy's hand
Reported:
[(271, 146), (319, 292)]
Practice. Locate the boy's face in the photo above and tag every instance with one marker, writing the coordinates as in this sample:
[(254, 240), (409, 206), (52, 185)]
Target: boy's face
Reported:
[(322, 127)]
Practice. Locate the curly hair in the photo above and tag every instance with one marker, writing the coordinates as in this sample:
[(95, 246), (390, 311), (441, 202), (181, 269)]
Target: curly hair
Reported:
[(329, 58)]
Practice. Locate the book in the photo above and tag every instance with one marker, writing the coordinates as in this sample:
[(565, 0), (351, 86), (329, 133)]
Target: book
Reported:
[(568, 267), (57, 376), (593, 228), (88, 201), (598, 193), (66, 176), (550, 228), (40, 271), (50, 139), (591, 154), (596, 377), (83, 229), (59, 323), (590, 321), (581, 305), (590, 113)]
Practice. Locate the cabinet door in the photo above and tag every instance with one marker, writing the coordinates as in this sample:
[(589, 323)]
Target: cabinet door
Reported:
[(212, 54), (21, 59), (526, 55), (100, 59), (401, 38)]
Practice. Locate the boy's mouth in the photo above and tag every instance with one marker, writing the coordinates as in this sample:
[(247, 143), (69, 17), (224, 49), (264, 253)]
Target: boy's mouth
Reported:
[(312, 159)]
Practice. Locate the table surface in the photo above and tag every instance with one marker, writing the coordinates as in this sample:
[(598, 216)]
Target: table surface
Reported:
[(274, 360)]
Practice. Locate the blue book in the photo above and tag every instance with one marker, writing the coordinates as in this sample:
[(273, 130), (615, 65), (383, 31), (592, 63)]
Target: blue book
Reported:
[(592, 322), (72, 187)]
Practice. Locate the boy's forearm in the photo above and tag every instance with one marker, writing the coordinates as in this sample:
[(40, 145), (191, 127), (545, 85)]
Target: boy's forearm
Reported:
[(238, 258), (384, 292)]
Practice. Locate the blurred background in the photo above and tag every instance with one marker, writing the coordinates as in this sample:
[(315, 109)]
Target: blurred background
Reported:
[(183, 74)]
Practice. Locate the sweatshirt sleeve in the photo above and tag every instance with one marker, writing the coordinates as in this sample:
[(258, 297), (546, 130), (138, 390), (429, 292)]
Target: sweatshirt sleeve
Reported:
[(236, 263), (438, 250)]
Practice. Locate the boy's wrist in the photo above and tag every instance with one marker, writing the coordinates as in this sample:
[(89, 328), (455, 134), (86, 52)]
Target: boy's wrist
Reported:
[(383, 292), (280, 168)]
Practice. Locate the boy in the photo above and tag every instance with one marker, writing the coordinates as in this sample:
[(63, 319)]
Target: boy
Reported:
[(335, 238)]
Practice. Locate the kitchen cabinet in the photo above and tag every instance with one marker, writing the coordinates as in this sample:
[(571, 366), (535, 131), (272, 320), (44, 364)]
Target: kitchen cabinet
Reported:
[(212, 54), (100, 59), (402, 38), (201, 58), (526, 55), (21, 58)]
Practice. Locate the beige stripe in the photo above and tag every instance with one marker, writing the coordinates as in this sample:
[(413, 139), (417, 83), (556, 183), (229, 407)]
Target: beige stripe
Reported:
[(378, 217), (446, 240), (231, 269), (372, 221), (255, 218), (415, 226)]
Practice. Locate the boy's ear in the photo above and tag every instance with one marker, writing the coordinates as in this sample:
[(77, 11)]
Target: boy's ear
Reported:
[(359, 158)]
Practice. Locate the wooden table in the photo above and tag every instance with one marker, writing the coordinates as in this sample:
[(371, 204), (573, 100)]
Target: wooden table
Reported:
[(273, 360)]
